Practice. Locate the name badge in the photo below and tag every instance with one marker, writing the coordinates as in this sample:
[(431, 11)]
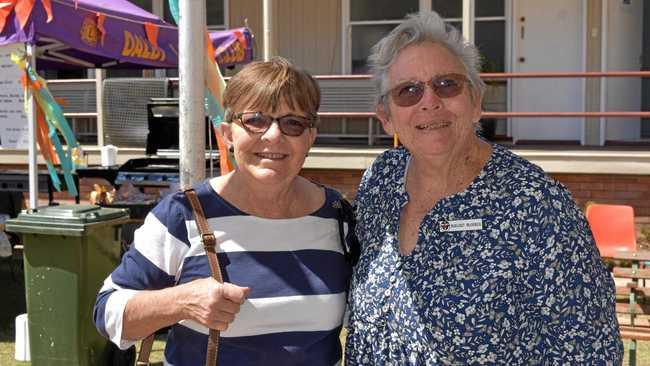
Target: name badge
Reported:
[(461, 225)]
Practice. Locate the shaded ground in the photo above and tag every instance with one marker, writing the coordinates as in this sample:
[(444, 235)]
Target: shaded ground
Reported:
[(643, 232), (12, 303)]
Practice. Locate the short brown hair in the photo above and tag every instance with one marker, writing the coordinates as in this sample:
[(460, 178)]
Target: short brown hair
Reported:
[(265, 85)]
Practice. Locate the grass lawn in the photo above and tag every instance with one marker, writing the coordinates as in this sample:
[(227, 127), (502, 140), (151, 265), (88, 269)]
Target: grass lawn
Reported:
[(13, 304)]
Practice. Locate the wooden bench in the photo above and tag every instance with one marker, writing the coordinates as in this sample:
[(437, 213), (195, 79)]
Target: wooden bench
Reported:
[(633, 299)]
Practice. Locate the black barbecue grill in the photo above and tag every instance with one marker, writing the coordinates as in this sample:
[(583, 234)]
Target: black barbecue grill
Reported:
[(160, 169), (161, 166)]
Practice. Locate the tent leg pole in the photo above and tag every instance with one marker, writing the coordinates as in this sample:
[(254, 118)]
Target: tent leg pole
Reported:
[(31, 123)]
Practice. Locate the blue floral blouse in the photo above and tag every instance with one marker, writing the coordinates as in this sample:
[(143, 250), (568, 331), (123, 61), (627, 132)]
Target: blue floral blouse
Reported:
[(505, 272)]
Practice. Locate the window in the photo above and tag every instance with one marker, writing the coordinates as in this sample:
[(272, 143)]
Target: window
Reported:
[(370, 21), (490, 38), (490, 8), (363, 38), (374, 10), (448, 9), (489, 28), (215, 14), (85, 129)]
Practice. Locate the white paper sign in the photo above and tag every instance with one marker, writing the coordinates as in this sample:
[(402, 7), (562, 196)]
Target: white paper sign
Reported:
[(14, 132)]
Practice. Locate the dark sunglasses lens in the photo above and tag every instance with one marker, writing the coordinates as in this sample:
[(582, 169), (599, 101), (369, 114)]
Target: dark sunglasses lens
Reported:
[(255, 122), (448, 86), (293, 126), (408, 94)]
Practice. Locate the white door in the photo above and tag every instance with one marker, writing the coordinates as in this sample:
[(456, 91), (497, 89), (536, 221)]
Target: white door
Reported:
[(624, 50), (547, 37)]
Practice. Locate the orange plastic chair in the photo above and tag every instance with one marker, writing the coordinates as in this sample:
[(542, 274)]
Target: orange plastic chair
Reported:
[(613, 228)]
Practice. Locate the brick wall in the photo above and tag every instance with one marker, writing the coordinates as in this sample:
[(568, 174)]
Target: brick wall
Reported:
[(631, 190), (344, 181), (602, 188)]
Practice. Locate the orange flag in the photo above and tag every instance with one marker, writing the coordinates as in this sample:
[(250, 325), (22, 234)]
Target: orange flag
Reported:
[(152, 33), (24, 80), (5, 9), (48, 9), (215, 84), (224, 161), (23, 11), (62, 101), (44, 142), (100, 26), (241, 38)]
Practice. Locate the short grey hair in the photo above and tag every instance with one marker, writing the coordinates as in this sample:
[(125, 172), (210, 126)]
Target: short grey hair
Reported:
[(425, 26)]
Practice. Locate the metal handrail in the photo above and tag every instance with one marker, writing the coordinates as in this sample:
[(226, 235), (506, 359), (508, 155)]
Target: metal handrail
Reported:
[(588, 74), (485, 76), (505, 114), (510, 75), (615, 114), (513, 75)]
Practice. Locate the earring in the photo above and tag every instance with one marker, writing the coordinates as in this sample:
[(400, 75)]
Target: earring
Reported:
[(395, 140), (231, 149)]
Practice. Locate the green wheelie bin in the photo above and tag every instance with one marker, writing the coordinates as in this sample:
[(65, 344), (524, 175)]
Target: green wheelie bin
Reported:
[(68, 251)]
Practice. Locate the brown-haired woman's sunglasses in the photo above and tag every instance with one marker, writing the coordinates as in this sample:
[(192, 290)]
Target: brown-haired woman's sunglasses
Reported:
[(409, 93), (290, 125)]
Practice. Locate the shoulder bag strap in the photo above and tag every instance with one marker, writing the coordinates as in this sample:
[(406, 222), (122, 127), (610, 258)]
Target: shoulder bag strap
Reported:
[(209, 243), (350, 243), (145, 350)]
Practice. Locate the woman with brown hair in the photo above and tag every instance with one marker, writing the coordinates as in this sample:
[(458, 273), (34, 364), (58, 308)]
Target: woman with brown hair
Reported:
[(279, 244)]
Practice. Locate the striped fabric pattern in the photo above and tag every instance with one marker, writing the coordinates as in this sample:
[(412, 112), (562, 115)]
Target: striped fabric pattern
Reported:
[(295, 268)]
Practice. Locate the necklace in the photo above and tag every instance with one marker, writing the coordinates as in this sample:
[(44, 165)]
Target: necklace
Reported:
[(425, 193)]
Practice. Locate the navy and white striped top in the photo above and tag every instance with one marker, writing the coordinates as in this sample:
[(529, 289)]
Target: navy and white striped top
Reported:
[(295, 268)]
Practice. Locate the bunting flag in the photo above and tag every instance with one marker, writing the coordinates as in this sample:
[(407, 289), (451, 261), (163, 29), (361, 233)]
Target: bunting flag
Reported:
[(5, 9), (215, 85), (44, 143), (101, 18), (23, 11), (47, 4), (152, 33), (47, 148), (54, 122)]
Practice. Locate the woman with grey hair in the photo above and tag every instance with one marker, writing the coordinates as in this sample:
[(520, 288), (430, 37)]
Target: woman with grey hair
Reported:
[(470, 254)]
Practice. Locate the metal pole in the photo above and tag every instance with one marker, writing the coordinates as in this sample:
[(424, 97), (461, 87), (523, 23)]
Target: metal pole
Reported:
[(191, 88), (604, 29), (32, 156), (468, 20), (346, 37), (100, 74), (267, 13)]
